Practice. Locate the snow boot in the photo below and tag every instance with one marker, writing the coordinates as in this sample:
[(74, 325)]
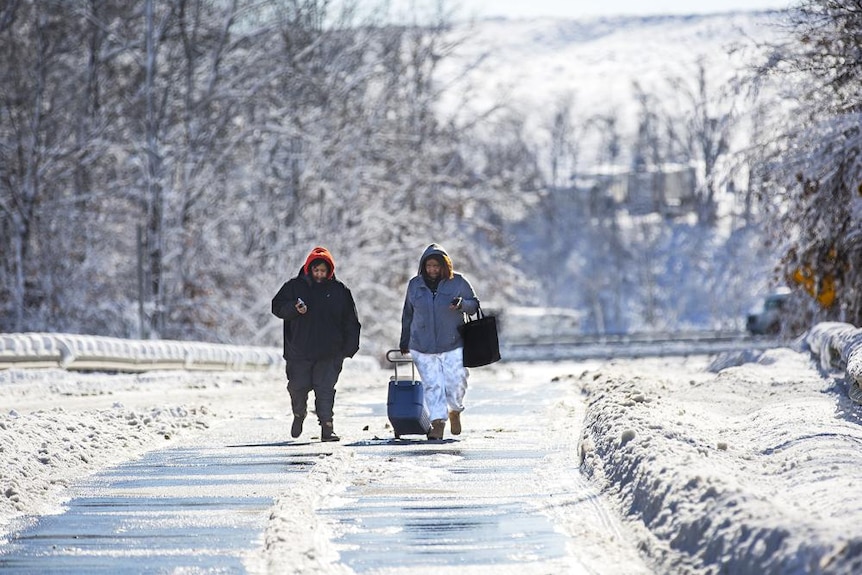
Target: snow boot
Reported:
[(296, 428), (327, 432), (455, 422), (437, 428)]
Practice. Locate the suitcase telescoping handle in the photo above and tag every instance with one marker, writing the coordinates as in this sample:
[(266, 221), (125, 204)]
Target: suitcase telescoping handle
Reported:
[(394, 356)]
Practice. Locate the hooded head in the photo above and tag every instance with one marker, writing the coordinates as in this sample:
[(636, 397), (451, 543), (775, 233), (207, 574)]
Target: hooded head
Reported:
[(437, 252), (319, 254)]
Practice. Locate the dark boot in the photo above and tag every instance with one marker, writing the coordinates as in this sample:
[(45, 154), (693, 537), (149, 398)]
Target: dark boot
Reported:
[(327, 432), (296, 428)]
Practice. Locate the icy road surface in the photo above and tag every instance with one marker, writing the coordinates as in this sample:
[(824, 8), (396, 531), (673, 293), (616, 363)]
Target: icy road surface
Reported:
[(641, 466)]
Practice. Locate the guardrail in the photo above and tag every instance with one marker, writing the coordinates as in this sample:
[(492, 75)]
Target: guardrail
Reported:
[(94, 353), (632, 345)]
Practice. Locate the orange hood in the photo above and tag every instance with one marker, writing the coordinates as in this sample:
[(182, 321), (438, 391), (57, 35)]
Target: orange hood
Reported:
[(320, 253)]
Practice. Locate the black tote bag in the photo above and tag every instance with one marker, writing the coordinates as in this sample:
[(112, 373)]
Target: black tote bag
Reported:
[(481, 345)]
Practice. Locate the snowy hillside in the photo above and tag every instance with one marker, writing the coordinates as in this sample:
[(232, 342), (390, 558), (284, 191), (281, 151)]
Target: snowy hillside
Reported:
[(530, 64)]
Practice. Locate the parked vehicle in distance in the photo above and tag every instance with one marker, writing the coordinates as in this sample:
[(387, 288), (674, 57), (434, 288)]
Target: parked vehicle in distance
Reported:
[(767, 320)]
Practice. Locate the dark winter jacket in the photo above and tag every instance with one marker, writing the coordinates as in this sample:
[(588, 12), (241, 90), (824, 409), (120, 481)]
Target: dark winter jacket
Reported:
[(330, 327), (427, 323)]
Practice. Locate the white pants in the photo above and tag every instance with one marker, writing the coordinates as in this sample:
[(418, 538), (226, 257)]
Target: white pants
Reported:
[(444, 379)]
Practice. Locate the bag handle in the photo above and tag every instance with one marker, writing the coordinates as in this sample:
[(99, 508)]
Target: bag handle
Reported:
[(479, 314), (390, 357)]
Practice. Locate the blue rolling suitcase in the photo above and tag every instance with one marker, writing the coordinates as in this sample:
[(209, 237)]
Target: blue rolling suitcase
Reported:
[(405, 403)]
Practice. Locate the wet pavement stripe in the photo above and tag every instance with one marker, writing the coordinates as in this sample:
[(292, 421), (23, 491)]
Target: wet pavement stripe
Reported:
[(477, 516), (201, 509)]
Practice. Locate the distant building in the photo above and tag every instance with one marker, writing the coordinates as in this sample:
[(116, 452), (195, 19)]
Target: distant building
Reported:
[(668, 189)]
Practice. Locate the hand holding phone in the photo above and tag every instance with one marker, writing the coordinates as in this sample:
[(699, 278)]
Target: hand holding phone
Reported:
[(456, 302), (300, 305)]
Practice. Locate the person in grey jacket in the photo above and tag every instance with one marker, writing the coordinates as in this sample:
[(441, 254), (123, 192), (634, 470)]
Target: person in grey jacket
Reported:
[(437, 299)]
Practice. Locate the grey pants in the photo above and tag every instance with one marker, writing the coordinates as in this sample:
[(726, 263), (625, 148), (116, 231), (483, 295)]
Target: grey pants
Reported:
[(320, 376)]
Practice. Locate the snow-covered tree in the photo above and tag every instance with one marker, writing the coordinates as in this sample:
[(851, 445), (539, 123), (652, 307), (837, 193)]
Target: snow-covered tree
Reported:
[(813, 172), (233, 137)]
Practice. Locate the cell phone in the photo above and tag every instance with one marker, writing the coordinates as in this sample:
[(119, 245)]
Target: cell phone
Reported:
[(300, 302), (455, 301)]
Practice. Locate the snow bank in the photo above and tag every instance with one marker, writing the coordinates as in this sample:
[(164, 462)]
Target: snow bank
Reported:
[(43, 452), (838, 346), (740, 466)]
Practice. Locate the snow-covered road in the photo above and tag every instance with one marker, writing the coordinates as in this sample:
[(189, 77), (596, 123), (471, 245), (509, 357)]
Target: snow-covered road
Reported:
[(743, 464)]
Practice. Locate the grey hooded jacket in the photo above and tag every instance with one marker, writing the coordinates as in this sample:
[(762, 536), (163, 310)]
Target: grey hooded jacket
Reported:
[(427, 323)]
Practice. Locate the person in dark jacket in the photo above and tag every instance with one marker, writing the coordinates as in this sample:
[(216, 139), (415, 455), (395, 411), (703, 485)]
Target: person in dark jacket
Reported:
[(321, 328), (436, 301)]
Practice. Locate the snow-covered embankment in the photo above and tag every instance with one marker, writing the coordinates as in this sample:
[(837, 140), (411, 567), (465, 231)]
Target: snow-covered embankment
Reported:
[(747, 466)]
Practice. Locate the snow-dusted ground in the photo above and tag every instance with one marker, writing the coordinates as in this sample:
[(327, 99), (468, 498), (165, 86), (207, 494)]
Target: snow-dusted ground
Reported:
[(733, 464)]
